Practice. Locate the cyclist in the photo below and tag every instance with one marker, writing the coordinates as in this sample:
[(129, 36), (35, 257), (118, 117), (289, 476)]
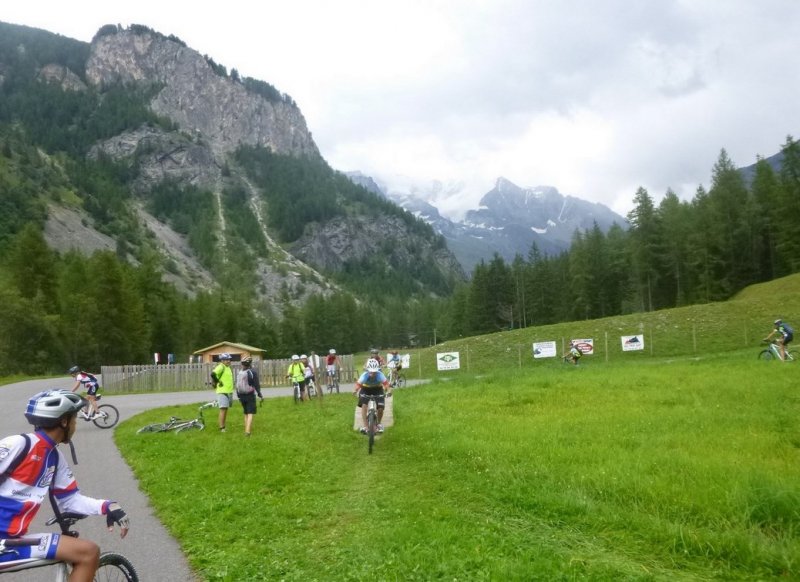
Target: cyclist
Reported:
[(395, 364), (371, 383), (308, 373), (332, 363), (573, 354), (297, 373), (787, 335), (32, 468), (222, 380), (92, 386), (246, 390), (374, 355)]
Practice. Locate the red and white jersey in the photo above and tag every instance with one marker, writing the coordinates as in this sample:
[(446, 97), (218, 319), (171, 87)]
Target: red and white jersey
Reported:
[(26, 488)]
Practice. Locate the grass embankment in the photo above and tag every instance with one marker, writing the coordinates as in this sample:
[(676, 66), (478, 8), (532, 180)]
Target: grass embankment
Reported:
[(687, 470)]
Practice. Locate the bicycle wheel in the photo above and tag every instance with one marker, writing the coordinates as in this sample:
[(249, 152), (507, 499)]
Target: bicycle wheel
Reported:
[(766, 355), (157, 427), (108, 416), (372, 428), (190, 426), (115, 568), (401, 381), (296, 392), (311, 390)]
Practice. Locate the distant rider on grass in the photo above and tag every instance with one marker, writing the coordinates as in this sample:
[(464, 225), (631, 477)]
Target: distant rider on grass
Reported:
[(786, 333)]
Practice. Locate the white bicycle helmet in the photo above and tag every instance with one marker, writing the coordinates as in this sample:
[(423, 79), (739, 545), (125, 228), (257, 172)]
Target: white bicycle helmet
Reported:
[(46, 408), (295, 358), (372, 365), (304, 357), (331, 351)]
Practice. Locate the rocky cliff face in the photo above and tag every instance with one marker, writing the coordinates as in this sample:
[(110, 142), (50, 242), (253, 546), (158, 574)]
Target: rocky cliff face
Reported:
[(195, 97)]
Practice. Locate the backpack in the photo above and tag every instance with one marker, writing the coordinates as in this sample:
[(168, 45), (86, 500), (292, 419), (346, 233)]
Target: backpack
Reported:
[(788, 329), (243, 382)]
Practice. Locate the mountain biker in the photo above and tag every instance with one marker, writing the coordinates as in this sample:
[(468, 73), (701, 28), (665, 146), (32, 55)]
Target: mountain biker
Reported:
[(332, 363), (222, 380), (248, 399), (92, 386), (374, 354), (786, 333), (309, 373), (297, 374), (573, 354), (32, 468), (371, 383), (395, 364)]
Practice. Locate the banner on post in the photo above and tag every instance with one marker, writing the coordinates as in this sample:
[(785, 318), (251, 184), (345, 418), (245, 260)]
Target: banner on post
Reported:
[(585, 345), (632, 343), (544, 350), (448, 361)]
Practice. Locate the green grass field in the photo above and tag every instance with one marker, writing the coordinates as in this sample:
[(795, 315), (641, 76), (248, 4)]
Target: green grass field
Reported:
[(681, 462), (643, 470)]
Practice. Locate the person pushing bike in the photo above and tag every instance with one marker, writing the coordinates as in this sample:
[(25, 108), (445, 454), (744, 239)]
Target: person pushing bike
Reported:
[(786, 333), (32, 469)]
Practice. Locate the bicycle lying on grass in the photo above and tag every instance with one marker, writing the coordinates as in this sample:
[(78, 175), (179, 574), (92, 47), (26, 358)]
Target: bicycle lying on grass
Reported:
[(113, 567), (106, 416), (773, 352), (177, 425)]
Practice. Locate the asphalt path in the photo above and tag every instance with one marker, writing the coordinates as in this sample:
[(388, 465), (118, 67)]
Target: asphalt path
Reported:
[(102, 473)]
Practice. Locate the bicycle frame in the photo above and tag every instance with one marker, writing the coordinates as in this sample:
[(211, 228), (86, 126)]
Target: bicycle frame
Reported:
[(109, 561), (773, 351)]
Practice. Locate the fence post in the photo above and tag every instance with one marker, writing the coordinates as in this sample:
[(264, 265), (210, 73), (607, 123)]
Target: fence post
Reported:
[(694, 337), (606, 347)]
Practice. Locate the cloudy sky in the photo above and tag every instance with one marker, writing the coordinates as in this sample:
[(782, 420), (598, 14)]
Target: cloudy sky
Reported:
[(594, 97)]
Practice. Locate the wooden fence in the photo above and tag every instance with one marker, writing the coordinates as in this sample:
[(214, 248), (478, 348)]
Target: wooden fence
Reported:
[(187, 377)]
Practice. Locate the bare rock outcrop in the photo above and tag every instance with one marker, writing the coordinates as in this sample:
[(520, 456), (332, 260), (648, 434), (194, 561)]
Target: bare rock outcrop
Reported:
[(197, 98)]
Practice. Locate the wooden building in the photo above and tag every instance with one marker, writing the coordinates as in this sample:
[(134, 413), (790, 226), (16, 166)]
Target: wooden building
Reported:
[(237, 351)]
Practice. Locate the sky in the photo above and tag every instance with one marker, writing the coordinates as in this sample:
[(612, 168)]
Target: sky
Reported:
[(594, 97)]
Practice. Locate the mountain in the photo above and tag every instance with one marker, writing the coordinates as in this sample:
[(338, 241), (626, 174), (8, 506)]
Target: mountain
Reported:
[(162, 149), (508, 221)]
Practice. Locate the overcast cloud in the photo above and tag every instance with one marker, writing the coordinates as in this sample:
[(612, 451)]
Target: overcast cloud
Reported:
[(594, 97)]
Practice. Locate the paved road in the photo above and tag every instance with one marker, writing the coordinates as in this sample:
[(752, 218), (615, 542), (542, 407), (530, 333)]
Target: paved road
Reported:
[(103, 474)]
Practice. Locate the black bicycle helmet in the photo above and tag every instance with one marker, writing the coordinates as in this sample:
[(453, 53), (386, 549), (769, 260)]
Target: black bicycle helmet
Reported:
[(46, 408), (74, 369), (248, 361)]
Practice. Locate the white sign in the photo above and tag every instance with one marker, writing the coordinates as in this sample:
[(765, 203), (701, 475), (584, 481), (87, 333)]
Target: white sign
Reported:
[(632, 342), (544, 350), (585, 345), (405, 359), (448, 361)]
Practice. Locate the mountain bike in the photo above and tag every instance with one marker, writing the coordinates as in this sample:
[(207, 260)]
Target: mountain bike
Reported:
[(106, 416), (773, 352), (333, 382), (311, 389), (396, 378), (176, 424), (298, 396), (372, 418), (113, 566)]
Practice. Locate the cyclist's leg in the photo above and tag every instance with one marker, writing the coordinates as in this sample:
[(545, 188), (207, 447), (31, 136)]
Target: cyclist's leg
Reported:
[(224, 401), (84, 555)]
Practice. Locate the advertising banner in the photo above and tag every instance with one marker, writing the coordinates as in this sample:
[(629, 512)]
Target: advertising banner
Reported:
[(448, 361), (631, 343), (544, 350), (585, 345)]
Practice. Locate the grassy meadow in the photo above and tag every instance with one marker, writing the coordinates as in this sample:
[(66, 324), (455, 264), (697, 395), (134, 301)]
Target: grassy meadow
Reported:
[(647, 469)]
